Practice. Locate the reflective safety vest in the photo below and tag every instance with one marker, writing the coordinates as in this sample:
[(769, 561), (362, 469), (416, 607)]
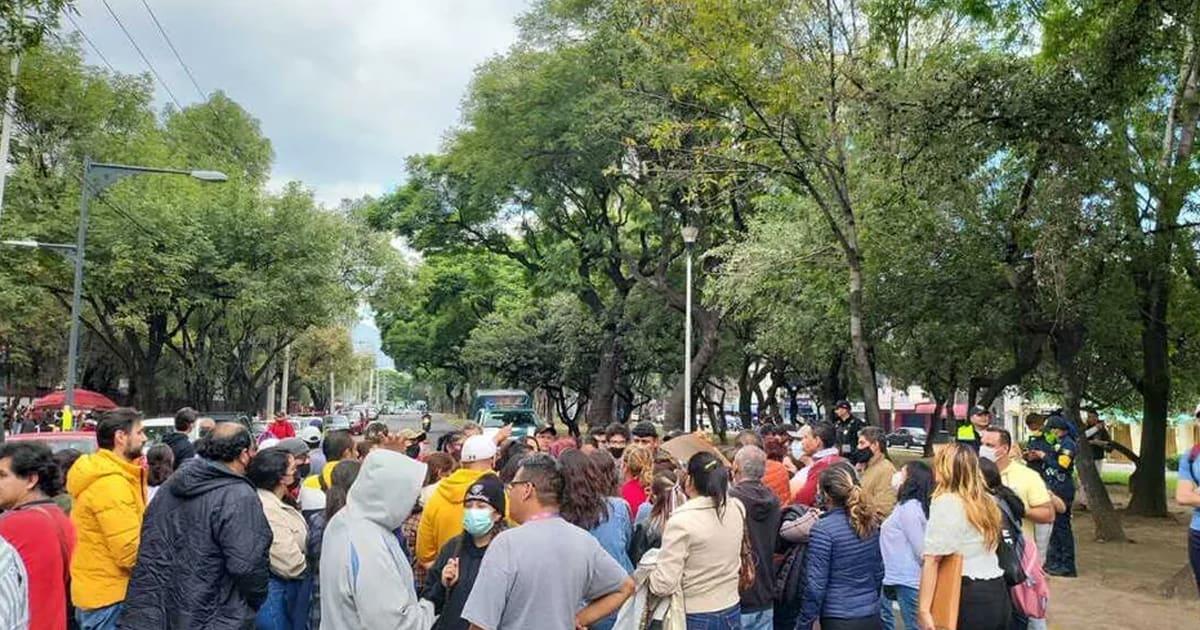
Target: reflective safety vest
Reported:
[(966, 433)]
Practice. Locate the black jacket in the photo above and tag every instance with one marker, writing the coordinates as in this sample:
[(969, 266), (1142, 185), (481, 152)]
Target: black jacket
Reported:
[(762, 522), (203, 560), (181, 446), (449, 603)]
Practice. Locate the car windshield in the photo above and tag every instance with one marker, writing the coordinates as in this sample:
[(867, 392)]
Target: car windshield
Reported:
[(156, 434), (517, 418)]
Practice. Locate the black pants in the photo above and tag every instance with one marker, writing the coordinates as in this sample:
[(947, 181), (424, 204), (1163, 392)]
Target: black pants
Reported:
[(862, 623), (1194, 553), (1060, 557), (985, 605)]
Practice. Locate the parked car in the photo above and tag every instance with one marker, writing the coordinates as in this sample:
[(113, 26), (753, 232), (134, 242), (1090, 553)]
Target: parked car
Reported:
[(158, 428), (82, 441), (908, 437), (337, 423)]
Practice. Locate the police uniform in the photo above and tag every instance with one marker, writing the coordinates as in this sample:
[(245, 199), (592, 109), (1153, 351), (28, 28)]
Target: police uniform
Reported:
[(1059, 475), (969, 435), (847, 435)]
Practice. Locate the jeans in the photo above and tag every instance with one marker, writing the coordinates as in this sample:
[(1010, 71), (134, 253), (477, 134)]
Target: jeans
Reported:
[(906, 596), (100, 618), (276, 611), (761, 620), (1194, 553), (728, 619)]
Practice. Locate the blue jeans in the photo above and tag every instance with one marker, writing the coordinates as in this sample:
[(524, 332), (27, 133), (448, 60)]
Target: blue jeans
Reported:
[(907, 598), (761, 620), (100, 618), (728, 619), (276, 611)]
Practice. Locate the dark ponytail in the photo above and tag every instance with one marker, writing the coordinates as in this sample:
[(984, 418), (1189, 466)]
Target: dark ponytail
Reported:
[(710, 478)]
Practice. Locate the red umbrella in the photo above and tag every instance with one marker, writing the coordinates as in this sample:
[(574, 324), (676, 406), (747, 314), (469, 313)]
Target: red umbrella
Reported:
[(84, 399)]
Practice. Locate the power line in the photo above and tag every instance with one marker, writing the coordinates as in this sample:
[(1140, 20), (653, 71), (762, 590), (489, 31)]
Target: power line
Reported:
[(178, 57), (145, 59), (89, 41)]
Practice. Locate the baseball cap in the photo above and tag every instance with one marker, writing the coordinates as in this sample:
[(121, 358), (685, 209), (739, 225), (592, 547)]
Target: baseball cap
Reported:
[(311, 436), (980, 410), (842, 404), (268, 443), (478, 448), (644, 429), (549, 428), (295, 446), (488, 489)]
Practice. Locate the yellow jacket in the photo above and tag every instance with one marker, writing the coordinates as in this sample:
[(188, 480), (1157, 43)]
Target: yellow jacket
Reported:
[(110, 498), (442, 518), (327, 472)]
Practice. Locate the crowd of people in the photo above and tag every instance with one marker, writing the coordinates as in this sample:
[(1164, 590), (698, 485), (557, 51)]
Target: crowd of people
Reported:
[(786, 528)]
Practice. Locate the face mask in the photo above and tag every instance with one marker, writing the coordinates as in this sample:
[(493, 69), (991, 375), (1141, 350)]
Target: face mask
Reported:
[(861, 456), (797, 450), (303, 470), (617, 451), (477, 521), (988, 452), (413, 450), (897, 480)]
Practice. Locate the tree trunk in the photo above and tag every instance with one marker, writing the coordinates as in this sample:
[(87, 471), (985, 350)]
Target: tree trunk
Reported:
[(604, 384), (931, 425), (1149, 487), (709, 324), (832, 389), (859, 343)]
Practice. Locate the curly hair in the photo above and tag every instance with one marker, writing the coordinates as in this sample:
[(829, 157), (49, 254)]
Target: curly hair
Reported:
[(160, 463), (639, 464), (583, 503), (26, 459), (839, 485)]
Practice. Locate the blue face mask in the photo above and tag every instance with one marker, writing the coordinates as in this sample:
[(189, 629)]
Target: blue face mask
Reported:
[(477, 521)]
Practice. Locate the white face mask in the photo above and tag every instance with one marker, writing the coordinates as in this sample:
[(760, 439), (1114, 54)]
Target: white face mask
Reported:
[(897, 480), (797, 450), (988, 452)]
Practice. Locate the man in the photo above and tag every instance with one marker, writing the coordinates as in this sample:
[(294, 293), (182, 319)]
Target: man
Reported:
[(108, 490), (14, 589), (32, 523), (180, 439), (645, 434), (545, 437), (618, 439), (819, 445), (281, 427), (366, 582), (599, 440), (971, 433), (847, 426), (1097, 437), (299, 452), (204, 559), (312, 439), (338, 445), (471, 428), (442, 518), (762, 525), (520, 590), (877, 471), (204, 426), (1024, 482), (1187, 494)]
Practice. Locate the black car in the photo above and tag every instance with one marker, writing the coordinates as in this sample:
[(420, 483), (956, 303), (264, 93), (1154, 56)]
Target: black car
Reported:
[(907, 437)]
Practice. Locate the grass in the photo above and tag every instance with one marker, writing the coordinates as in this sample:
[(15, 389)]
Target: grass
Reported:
[(1121, 478)]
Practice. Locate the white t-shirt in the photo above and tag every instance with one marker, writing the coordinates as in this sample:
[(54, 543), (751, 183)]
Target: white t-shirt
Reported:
[(949, 532)]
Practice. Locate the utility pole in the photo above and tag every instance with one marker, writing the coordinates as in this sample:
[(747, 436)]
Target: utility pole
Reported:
[(287, 364), (10, 103), (331, 394)]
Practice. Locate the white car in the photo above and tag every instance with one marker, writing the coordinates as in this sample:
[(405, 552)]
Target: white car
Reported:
[(158, 428)]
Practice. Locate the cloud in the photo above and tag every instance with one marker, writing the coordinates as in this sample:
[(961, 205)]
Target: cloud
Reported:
[(344, 90)]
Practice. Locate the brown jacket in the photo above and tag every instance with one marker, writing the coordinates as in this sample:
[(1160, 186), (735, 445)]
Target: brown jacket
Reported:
[(877, 484)]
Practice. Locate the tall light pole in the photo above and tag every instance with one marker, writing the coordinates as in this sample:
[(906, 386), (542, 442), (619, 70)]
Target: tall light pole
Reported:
[(97, 177), (690, 233)]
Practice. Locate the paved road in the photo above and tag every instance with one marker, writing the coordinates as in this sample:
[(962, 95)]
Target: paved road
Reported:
[(412, 420)]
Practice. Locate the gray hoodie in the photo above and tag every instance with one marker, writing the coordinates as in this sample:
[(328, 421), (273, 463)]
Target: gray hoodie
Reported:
[(366, 581)]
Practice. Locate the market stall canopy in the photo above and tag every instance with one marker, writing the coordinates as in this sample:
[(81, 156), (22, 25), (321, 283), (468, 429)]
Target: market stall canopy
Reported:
[(84, 399)]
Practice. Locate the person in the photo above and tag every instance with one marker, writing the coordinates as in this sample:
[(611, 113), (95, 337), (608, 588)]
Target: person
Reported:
[(902, 543), (598, 439), (204, 427), (964, 519), (453, 444), (108, 489), (440, 466), (516, 589), (762, 528), (1187, 494), (160, 463), (877, 469), (819, 444), (312, 439), (442, 518), (971, 432), (471, 428), (344, 474), (14, 589), (701, 550), (652, 518), (646, 435), (618, 438), (273, 471), (180, 440), (639, 471), (508, 462), (587, 503), (1060, 479), (846, 425), (426, 422), (561, 445), (797, 459), (545, 437), (204, 559), (748, 437), (1028, 485), (453, 574), (65, 459), (776, 476), (33, 524), (843, 573), (338, 445), (365, 578), (1098, 438), (281, 428)]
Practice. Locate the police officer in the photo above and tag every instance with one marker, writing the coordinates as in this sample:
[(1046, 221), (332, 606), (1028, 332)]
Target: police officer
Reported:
[(846, 427), (1059, 475), (971, 433)]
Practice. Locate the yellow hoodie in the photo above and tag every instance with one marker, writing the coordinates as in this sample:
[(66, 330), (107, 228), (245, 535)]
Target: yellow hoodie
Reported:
[(443, 515), (326, 472), (109, 499)]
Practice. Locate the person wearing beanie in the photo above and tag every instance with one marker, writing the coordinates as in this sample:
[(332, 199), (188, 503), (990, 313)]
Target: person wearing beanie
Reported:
[(452, 577), (442, 519)]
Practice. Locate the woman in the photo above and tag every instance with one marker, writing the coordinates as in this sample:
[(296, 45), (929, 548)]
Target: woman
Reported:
[(589, 481), (342, 477), (160, 463), (452, 576), (843, 565), (702, 548), (964, 519), (902, 542), (273, 471), (639, 468), (652, 517), (438, 467)]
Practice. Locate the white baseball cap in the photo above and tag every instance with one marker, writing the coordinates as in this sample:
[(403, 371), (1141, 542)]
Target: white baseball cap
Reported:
[(310, 435), (477, 448)]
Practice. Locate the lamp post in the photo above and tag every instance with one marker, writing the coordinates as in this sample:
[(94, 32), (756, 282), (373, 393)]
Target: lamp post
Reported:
[(97, 177), (690, 233)]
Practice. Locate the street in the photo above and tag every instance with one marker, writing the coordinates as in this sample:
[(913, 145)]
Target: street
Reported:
[(412, 420)]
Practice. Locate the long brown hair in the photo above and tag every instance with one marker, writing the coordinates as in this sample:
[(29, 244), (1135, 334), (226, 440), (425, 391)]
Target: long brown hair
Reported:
[(438, 465), (840, 486), (583, 502), (663, 497), (639, 464), (957, 472)]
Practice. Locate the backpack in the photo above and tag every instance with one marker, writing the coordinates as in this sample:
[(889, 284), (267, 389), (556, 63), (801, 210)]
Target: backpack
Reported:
[(1031, 596), (1011, 547)]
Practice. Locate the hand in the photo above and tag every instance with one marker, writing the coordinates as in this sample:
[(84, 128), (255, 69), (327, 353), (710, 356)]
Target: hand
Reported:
[(789, 466), (925, 620), (393, 443), (504, 433), (450, 573)]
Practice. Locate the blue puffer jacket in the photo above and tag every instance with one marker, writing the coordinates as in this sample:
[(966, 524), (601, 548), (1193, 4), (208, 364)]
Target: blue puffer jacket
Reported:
[(843, 573)]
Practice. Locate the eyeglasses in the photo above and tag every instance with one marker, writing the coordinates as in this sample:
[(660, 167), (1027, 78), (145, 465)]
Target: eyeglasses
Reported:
[(515, 482)]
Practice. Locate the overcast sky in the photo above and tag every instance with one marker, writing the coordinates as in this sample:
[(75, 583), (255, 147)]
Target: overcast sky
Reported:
[(345, 89)]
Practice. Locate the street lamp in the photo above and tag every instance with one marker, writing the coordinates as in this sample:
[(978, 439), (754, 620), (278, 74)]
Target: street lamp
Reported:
[(97, 177), (690, 233)]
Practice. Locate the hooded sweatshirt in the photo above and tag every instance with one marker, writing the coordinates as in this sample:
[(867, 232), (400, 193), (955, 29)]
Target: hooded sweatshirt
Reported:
[(109, 495), (442, 519), (366, 582), (762, 522)]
